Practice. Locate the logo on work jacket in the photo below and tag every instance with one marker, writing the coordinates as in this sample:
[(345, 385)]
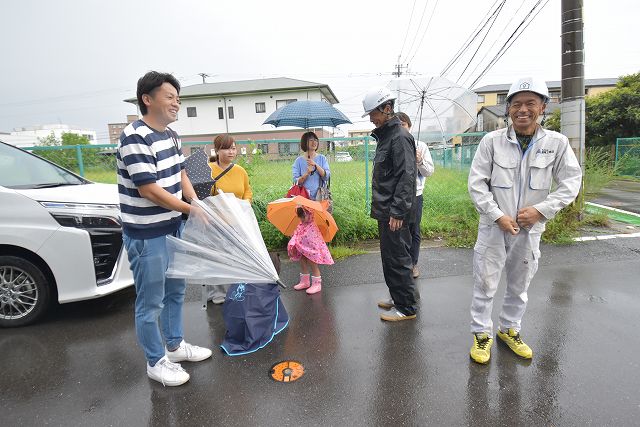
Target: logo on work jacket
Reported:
[(545, 151), (525, 85)]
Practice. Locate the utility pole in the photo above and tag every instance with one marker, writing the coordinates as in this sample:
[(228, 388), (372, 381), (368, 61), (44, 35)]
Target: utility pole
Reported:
[(572, 107), (203, 75), (398, 73)]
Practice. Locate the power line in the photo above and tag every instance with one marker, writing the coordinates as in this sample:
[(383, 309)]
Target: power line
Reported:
[(424, 33), (469, 41), (504, 28), (495, 16), (418, 28), (512, 38), (407, 32)]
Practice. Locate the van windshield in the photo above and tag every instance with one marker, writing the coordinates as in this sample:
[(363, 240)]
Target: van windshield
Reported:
[(22, 170)]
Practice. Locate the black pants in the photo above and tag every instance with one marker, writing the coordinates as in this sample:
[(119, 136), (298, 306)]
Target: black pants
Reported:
[(395, 249), (414, 228)]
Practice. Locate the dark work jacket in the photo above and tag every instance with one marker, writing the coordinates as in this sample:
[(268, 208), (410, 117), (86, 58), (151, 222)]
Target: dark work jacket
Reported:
[(394, 172)]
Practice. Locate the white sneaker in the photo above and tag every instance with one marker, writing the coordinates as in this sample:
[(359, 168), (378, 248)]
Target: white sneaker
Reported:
[(188, 353), (168, 373)]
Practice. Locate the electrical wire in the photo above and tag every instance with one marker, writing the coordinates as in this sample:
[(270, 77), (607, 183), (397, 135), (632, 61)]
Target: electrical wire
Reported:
[(468, 42), (514, 36), (495, 16), (424, 33), (408, 27), (418, 28), (504, 28)]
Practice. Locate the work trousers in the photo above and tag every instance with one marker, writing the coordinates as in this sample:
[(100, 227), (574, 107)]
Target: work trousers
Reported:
[(414, 228), (494, 251), (395, 247)]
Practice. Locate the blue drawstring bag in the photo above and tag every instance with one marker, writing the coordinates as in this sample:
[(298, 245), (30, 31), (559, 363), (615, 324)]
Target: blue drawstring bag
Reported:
[(253, 314)]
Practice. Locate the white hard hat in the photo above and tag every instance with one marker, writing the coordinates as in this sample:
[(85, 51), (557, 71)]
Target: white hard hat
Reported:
[(375, 98), (529, 84)]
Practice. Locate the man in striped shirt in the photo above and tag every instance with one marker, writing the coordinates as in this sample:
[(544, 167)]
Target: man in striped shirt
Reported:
[(152, 183)]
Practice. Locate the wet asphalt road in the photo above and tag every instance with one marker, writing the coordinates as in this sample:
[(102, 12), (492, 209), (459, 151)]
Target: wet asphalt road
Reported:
[(81, 365), (622, 195)]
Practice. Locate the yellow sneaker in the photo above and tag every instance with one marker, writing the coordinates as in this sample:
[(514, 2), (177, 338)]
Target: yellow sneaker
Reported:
[(513, 340), (481, 350)]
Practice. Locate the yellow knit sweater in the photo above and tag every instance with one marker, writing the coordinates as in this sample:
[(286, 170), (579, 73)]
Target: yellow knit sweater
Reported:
[(235, 181)]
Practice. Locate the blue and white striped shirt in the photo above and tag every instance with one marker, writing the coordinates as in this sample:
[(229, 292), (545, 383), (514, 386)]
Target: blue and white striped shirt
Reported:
[(146, 156)]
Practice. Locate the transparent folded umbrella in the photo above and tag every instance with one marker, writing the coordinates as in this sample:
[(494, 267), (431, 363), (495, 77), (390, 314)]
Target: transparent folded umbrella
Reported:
[(221, 244)]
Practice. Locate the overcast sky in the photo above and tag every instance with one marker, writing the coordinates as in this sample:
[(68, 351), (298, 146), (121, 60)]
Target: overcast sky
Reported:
[(73, 62)]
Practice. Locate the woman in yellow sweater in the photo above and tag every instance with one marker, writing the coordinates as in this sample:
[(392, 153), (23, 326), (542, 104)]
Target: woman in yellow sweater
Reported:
[(235, 181)]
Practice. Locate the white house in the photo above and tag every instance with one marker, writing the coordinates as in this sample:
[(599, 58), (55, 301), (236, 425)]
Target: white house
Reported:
[(240, 107), (31, 135)]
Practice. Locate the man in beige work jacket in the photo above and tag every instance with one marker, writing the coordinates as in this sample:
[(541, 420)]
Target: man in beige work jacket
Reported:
[(510, 185)]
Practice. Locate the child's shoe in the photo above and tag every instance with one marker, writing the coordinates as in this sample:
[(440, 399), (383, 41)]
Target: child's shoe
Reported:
[(304, 282), (316, 285)]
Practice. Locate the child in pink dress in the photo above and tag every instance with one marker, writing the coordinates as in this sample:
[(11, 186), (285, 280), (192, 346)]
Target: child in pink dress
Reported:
[(308, 247)]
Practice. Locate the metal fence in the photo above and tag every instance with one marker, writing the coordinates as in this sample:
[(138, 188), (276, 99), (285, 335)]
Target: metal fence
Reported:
[(628, 156), (268, 162)]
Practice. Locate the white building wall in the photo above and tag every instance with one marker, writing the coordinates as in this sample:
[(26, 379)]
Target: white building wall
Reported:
[(40, 132), (245, 117)]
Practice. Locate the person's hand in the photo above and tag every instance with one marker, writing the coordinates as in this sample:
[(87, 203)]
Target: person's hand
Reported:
[(197, 212), (395, 224), (311, 162), (310, 169), (506, 223), (528, 216), (418, 157)]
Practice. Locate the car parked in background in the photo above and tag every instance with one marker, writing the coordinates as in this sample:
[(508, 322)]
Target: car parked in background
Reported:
[(60, 237), (343, 156)]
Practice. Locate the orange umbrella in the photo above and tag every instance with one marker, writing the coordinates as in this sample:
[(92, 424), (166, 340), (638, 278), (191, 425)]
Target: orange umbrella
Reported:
[(282, 214)]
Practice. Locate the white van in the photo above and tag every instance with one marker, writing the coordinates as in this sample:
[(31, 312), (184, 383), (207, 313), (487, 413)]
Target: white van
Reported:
[(60, 237)]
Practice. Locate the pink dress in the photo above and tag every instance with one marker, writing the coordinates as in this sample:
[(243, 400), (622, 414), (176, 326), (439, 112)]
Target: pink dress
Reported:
[(307, 241)]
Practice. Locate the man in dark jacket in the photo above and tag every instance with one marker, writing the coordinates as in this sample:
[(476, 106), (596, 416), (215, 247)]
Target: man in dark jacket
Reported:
[(393, 193)]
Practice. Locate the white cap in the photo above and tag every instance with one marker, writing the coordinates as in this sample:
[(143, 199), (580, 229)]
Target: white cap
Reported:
[(529, 84), (375, 98)]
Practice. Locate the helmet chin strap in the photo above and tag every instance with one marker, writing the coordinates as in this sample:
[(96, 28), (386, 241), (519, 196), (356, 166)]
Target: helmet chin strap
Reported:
[(506, 116)]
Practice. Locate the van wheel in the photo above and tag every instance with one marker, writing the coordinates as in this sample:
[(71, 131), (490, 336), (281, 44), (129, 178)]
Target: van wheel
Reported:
[(24, 292)]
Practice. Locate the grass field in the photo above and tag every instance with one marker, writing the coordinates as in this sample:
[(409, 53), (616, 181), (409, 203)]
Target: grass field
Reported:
[(448, 211)]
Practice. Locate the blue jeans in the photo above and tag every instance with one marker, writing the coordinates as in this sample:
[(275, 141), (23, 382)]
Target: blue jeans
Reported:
[(158, 297)]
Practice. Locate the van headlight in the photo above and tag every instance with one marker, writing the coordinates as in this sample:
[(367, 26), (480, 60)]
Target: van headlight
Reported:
[(84, 215)]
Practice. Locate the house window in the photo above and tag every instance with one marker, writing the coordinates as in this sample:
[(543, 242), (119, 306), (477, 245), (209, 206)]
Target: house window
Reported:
[(264, 148), (260, 107), (191, 112), (284, 148), (220, 113), (502, 98), (554, 96), (480, 99), (230, 112), (282, 102)]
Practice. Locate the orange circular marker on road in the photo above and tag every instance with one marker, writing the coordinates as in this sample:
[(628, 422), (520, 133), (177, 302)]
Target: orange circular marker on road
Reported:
[(286, 371)]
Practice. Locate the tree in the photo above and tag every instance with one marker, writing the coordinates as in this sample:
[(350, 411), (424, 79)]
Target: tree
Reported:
[(614, 114), (67, 157), (553, 121), (609, 115), (74, 139)]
